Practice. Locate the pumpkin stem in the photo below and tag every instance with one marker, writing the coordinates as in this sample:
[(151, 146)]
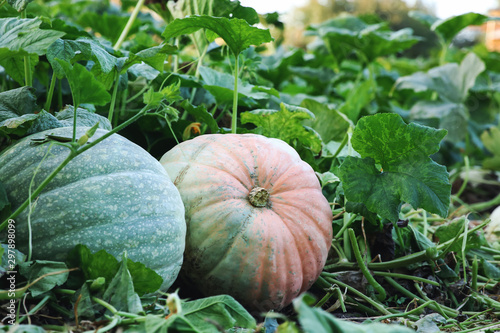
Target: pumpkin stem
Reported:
[(258, 197)]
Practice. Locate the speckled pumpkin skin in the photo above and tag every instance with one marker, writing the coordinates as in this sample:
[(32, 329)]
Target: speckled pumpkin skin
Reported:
[(262, 256), (115, 196)]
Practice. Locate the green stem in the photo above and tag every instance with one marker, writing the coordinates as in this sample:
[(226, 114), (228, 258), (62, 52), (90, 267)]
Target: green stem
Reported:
[(407, 277), (410, 295), (113, 97), (50, 93), (73, 153), (417, 310), (35, 309), (235, 96), (326, 279), (129, 24), (406, 260), (474, 274), (369, 277), (466, 179), (347, 223)]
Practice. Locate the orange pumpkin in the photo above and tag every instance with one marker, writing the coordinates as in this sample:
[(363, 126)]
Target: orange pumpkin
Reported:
[(258, 225)]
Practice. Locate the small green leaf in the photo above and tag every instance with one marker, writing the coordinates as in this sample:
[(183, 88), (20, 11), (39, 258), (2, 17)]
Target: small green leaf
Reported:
[(34, 270), (120, 292), (84, 87), (329, 124), (92, 265), (490, 271), (408, 174), (85, 307), (223, 309), (10, 256), (145, 279), (19, 5), (201, 114), (285, 124), (237, 33), (450, 27)]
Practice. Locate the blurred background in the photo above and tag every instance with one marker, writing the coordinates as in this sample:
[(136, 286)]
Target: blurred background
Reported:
[(297, 15)]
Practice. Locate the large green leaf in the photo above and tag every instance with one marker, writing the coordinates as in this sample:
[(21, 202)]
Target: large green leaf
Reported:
[(450, 27), (14, 64), (82, 48), (237, 33), (408, 173), (451, 81), (25, 35), (84, 86), (285, 124)]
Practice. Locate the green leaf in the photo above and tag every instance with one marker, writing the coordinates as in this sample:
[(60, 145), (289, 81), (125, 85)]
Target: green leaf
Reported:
[(34, 270), (17, 102), (221, 86), (19, 5), (285, 124), (83, 118), (102, 264), (490, 271), (329, 124), (18, 126), (92, 265), (80, 49), (450, 27), (108, 25), (358, 97), (14, 64), (237, 33), (223, 309), (491, 138), (409, 174), (25, 35), (451, 81), (84, 87), (85, 308), (453, 229), (453, 117), (316, 320), (120, 292), (26, 329), (44, 121), (201, 114), (145, 279), (346, 34), (154, 56)]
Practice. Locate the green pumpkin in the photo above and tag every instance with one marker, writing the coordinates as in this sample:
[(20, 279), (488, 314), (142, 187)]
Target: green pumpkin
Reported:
[(115, 196)]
